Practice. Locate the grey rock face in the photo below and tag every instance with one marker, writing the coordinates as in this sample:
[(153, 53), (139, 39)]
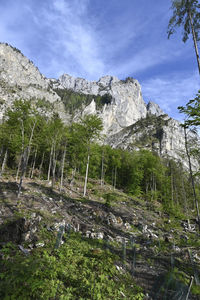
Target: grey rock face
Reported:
[(161, 134), (154, 109), (19, 78), (127, 105)]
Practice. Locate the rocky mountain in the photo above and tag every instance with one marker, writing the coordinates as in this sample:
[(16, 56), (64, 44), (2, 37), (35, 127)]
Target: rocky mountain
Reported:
[(126, 106), (128, 121), (19, 78)]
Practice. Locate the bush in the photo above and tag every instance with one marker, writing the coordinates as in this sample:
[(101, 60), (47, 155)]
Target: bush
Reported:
[(75, 271)]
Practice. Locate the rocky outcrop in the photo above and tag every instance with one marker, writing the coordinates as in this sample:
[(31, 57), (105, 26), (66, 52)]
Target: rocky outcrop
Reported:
[(160, 134), (19, 78), (154, 109), (127, 105)]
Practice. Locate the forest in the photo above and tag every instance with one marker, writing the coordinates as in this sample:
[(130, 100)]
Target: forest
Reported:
[(37, 144)]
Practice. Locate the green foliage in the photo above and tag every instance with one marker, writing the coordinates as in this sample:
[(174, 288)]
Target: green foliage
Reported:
[(77, 270), (74, 101), (192, 111), (182, 9), (140, 173)]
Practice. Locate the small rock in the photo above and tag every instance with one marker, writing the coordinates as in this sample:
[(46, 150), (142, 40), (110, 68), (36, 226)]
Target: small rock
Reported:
[(25, 251), (168, 238), (114, 221), (26, 236), (39, 218), (39, 245), (57, 226), (93, 235), (100, 235), (176, 248), (144, 229), (110, 238), (88, 233), (127, 226), (196, 257), (33, 215)]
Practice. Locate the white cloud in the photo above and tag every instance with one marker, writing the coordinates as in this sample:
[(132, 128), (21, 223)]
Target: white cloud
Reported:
[(75, 38), (171, 92)]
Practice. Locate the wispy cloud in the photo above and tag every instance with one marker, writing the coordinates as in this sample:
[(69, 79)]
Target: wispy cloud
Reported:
[(171, 92), (72, 36)]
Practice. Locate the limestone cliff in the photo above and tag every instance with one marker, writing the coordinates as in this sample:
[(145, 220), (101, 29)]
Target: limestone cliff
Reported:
[(127, 105), (19, 78)]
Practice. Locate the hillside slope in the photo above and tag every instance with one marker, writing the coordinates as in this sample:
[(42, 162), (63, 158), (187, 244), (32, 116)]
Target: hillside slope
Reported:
[(161, 252)]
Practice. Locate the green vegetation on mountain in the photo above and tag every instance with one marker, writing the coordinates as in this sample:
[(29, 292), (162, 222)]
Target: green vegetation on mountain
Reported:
[(74, 101), (33, 144)]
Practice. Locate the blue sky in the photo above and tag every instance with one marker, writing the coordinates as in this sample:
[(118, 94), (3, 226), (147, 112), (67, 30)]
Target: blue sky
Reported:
[(93, 38)]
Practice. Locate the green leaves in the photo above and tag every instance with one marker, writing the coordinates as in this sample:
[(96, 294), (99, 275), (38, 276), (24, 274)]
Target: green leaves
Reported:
[(192, 111), (180, 17), (75, 271)]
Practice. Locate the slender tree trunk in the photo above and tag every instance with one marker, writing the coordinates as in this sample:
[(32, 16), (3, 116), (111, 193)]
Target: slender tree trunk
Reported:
[(18, 168), (50, 163), (25, 157), (1, 151), (73, 176), (172, 189), (86, 174), (24, 164), (40, 168), (53, 166), (22, 153), (195, 41), (115, 178), (102, 169), (29, 145), (192, 178), (4, 163), (62, 168), (33, 167)]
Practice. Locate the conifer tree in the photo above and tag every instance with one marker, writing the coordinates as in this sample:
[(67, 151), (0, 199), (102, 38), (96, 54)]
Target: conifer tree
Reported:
[(186, 13)]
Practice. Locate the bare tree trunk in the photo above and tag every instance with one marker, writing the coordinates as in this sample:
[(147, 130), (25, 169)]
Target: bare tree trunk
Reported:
[(33, 167), (29, 145), (115, 178), (40, 168), (86, 174), (192, 178), (25, 157), (50, 162), (62, 168), (24, 164), (22, 153), (195, 41), (102, 169), (4, 163), (18, 168), (172, 189), (73, 176), (189, 288), (1, 151), (53, 166)]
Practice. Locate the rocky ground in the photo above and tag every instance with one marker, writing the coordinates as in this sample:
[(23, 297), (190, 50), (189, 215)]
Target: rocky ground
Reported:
[(154, 247)]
